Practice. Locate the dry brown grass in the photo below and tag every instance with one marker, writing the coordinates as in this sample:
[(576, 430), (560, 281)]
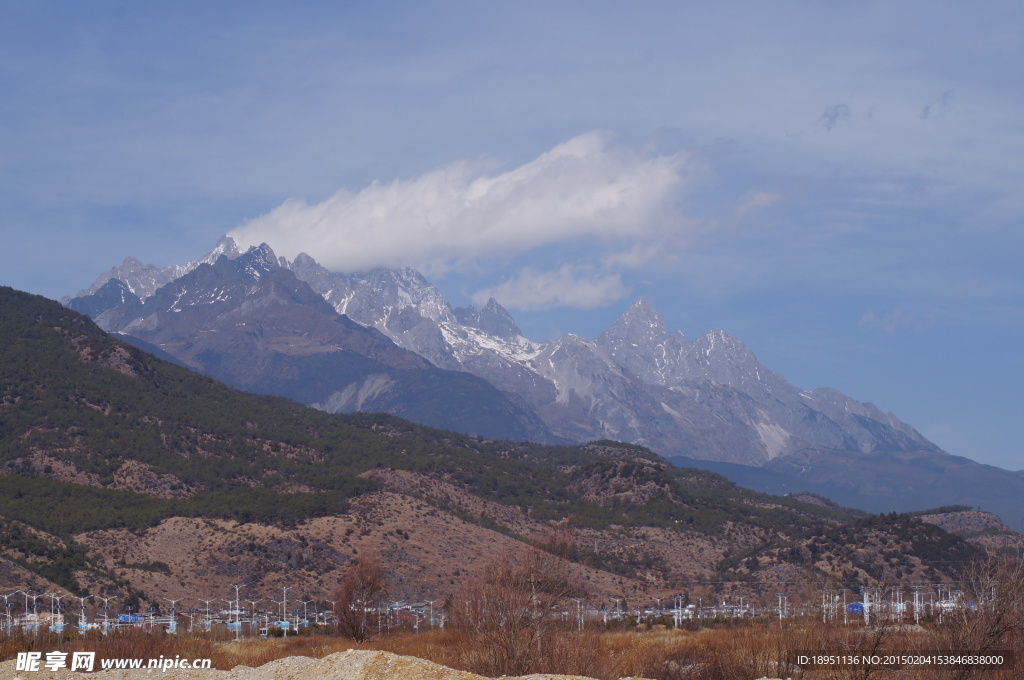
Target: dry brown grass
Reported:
[(753, 650)]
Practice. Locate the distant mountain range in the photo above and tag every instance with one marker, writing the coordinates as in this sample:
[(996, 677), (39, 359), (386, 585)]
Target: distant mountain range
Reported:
[(126, 476), (264, 324)]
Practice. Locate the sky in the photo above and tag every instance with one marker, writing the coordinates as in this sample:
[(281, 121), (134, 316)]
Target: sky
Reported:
[(838, 185)]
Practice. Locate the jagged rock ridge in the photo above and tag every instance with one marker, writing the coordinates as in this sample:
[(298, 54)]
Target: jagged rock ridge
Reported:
[(144, 280), (249, 322)]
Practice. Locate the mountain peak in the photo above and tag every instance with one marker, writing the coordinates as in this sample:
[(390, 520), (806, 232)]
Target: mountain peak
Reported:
[(723, 358), (493, 319), (143, 280), (129, 272), (225, 246), (718, 342), (642, 306), (114, 293), (640, 318), (638, 342), (256, 261)]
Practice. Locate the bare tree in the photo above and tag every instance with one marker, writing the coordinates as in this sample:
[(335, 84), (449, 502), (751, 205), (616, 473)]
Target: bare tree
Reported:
[(512, 610), (994, 619), (362, 589)]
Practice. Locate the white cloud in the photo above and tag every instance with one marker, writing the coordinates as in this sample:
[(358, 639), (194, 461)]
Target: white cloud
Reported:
[(640, 254), (568, 286), (581, 189)]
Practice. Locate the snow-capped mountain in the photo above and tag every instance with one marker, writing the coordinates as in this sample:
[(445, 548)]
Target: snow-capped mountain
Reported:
[(639, 343), (786, 416), (709, 398), (388, 340), (144, 280), (251, 323)]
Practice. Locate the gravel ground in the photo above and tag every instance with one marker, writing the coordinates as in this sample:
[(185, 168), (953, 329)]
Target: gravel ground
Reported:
[(354, 664)]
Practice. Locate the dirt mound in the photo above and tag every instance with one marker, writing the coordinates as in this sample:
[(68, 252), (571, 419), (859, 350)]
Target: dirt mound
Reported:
[(353, 664)]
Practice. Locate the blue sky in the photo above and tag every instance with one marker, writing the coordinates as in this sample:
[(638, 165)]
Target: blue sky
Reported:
[(837, 186)]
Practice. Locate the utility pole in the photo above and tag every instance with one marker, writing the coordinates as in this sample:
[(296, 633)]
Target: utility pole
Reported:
[(7, 609), (284, 606), (917, 603), (207, 622), (237, 608), (173, 627), (106, 609), (279, 603), (253, 618), (35, 612), (59, 614), (82, 624)]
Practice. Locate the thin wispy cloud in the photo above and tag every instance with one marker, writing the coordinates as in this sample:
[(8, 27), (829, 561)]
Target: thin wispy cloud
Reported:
[(896, 320), (568, 286), (754, 201)]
